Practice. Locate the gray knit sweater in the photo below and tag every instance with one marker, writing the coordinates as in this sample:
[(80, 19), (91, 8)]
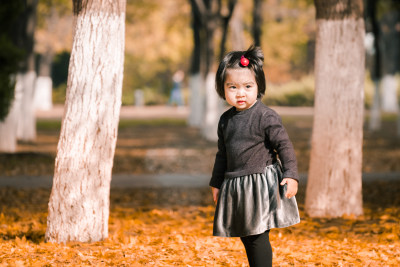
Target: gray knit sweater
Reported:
[(250, 140)]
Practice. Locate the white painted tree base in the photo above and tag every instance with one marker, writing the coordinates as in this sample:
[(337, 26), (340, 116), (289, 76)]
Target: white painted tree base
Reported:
[(389, 94), (213, 109), (375, 113), (43, 93), (26, 129), (196, 101), (8, 128)]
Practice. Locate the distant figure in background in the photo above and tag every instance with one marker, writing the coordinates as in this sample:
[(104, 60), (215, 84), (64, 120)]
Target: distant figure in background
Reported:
[(176, 92)]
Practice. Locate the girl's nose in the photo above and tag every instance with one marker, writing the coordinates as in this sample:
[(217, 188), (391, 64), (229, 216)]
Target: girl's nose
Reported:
[(240, 92)]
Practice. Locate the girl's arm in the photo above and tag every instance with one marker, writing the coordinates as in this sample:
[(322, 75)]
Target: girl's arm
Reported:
[(279, 140)]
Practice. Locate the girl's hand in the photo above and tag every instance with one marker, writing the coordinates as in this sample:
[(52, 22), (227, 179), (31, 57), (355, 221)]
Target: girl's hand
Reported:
[(215, 193), (292, 186)]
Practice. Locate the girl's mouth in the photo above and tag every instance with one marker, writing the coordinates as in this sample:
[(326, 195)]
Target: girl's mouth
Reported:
[(241, 102)]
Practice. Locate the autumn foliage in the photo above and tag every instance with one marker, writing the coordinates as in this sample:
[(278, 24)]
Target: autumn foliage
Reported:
[(173, 226)]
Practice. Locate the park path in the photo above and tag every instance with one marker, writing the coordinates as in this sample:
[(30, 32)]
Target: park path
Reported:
[(160, 180), (157, 112)]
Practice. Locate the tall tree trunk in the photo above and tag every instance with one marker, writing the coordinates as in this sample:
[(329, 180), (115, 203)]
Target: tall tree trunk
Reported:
[(214, 109), (375, 112), (20, 123), (236, 27), (26, 130), (44, 83), (389, 93), (225, 24), (196, 79), (212, 105), (257, 22), (334, 182), (196, 101), (8, 127), (376, 70), (391, 57), (79, 201), (206, 19)]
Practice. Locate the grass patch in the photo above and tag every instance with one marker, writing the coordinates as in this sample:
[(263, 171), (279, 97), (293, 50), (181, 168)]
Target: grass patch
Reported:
[(126, 123), (48, 125), (294, 93), (54, 125)]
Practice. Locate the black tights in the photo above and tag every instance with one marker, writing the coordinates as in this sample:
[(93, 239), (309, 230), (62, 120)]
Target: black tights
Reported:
[(258, 249)]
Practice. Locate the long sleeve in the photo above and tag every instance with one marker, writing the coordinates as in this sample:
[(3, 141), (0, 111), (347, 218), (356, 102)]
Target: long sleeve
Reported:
[(220, 163), (280, 142)]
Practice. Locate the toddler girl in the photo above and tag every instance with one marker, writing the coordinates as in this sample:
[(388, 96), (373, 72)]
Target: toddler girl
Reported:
[(255, 176)]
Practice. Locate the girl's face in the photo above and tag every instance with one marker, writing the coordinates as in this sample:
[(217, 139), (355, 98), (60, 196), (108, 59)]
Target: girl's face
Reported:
[(240, 88)]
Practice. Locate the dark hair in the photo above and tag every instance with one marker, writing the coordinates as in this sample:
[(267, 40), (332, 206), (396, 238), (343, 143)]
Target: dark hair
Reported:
[(232, 61)]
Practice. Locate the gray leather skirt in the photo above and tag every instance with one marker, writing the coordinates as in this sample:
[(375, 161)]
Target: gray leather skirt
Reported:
[(252, 204)]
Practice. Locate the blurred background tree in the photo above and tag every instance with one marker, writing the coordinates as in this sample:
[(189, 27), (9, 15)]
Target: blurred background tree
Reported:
[(159, 41), (19, 122), (159, 37), (53, 38), (10, 55)]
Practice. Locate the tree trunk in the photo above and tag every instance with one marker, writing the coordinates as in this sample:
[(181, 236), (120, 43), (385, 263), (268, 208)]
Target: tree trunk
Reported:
[(196, 80), (391, 59), (334, 182), (212, 103), (375, 112), (20, 123), (8, 128), (26, 130), (225, 24), (196, 101), (79, 201), (376, 69), (257, 22), (236, 27), (389, 93), (44, 83), (214, 107), (398, 123)]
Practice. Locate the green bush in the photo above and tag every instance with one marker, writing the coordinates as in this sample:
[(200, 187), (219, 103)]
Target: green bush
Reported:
[(294, 93), (301, 92)]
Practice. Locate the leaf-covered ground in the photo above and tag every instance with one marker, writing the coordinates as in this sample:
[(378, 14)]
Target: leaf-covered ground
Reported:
[(172, 227)]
